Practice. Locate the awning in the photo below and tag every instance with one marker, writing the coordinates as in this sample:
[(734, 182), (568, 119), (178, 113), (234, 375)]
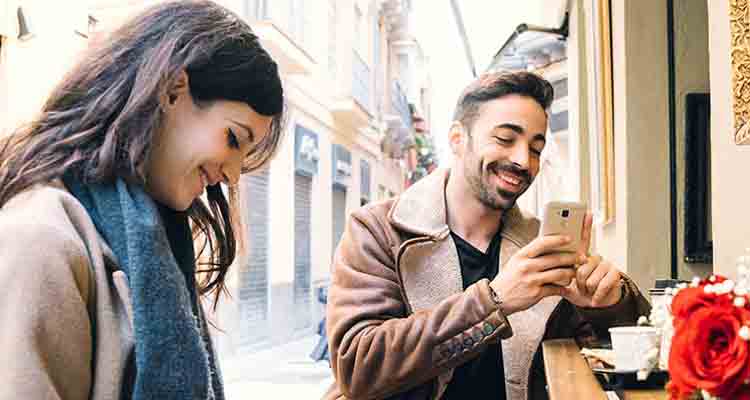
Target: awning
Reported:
[(505, 20)]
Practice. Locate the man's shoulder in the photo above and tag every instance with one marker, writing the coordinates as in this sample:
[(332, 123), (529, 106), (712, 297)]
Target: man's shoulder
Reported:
[(529, 220), (375, 212), (522, 225)]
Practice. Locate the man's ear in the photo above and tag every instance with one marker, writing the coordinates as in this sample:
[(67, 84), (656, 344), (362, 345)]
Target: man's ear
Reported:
[(457, 137), (178, 88)]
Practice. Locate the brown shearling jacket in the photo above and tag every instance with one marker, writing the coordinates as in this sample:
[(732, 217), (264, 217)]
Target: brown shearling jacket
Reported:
[(399, 320)]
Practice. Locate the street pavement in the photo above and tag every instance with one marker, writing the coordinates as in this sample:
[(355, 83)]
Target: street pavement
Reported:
[(279, 373)]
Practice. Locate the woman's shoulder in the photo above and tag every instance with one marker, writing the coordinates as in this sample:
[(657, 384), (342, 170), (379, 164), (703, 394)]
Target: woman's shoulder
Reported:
[(44, 207), (38, 236)]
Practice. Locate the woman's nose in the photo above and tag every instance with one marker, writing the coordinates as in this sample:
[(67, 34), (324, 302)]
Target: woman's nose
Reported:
[(231, 172)]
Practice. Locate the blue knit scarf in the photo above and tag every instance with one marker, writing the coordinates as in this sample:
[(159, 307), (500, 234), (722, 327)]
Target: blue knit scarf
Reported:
[(174, 358)]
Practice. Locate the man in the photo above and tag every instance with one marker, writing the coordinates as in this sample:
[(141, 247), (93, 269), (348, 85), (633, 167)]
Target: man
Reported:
[(446, 292)]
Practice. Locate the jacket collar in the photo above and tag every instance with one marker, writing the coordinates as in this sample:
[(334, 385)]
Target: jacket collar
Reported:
[(421, 210)]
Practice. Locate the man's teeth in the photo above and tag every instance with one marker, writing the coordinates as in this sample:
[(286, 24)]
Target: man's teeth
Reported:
[(512, 181)]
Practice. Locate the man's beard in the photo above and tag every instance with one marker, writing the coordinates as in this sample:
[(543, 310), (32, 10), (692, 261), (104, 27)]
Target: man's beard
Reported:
[(498, 199)]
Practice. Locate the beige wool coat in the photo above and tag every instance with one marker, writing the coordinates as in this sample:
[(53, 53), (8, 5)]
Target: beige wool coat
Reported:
[(65, 320)]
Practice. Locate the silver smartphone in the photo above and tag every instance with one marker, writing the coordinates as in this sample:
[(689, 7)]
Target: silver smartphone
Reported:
[(564, 218)]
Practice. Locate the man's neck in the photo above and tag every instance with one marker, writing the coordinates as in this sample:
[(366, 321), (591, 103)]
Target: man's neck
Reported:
[(467, 216)]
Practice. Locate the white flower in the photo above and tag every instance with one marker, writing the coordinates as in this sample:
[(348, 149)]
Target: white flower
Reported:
[(712, 278), (740, 301), (722, 288), (740, 291), (744, 333), (696, 281), (707, 396)]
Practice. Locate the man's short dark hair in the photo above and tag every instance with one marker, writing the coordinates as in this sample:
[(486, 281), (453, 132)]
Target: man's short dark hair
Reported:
[(495, 85)]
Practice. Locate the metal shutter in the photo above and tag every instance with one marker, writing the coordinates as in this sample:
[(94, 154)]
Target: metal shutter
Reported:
[(302, 237), (253, 287), (364, 182), (339, 214)]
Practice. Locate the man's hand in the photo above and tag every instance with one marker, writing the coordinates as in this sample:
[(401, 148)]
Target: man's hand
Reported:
[(597, 282), (530, 276)]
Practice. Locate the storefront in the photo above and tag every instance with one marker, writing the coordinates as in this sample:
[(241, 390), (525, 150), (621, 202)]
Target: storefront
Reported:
[(306, 167), (253, 275), (365, 186), (341, 177)]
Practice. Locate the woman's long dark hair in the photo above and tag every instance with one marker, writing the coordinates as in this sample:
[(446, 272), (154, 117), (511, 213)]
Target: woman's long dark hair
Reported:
[(99, 122)]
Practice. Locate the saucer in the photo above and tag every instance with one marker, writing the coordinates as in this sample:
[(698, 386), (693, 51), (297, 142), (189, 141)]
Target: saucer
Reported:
[(612, 378), (615, 371)]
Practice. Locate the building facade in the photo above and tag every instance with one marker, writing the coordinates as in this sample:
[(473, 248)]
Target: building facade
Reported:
[(648, 151)]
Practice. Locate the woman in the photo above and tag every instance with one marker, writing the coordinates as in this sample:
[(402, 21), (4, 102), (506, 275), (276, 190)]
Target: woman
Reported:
[(98, 291)]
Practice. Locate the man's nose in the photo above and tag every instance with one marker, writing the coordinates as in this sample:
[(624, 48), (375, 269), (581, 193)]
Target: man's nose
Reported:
[(520, 155)]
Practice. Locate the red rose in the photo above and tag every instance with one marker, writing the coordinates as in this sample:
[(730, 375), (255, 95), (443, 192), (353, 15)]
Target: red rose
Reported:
[(688, 300), (707, 352), (743, 393)]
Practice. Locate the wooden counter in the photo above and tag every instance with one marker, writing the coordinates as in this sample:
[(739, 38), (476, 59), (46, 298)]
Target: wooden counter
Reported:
[(570, 378)]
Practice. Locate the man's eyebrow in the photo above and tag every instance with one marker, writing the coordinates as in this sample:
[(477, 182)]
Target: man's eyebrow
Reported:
[(516, 128), (251, 134), (519, 130)]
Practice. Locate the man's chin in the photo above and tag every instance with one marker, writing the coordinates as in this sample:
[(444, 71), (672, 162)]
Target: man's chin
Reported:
[(498, 199), (499, 202), (507, 200)]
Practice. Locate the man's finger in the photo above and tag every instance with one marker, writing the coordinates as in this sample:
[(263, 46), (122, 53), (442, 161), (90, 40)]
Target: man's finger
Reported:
[(552, 290), (588, 221), (595, 279), (609, 283), (584, 271), (557, 276), (555, 260), (543, 245)]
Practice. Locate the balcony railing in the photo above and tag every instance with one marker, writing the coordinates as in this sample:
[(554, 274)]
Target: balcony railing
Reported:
[(361, 82), (400, 104)]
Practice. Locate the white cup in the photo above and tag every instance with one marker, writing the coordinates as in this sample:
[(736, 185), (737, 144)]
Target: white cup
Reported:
[(635, 347)]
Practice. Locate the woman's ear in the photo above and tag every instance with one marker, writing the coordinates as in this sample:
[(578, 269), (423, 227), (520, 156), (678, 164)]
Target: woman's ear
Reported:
[(178, 88)]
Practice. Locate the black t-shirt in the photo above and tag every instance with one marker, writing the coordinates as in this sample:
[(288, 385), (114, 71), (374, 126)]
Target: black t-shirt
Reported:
[(484, 376)]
